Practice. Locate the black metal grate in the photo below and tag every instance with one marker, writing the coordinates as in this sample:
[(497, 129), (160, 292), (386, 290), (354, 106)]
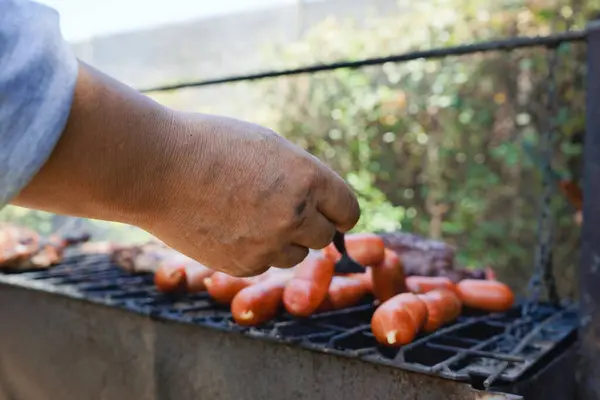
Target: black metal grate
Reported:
[(483, 348)]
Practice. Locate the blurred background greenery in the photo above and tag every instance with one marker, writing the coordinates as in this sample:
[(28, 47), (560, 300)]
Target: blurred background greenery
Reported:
[(433, 147)]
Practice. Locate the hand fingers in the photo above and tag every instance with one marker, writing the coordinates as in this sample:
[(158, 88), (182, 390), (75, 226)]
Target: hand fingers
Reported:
[(336, 201), (291, 255), (316, 231)]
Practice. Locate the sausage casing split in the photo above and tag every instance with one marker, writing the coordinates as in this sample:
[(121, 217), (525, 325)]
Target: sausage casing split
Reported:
[(173, 276), (258, 303), (397, 321)]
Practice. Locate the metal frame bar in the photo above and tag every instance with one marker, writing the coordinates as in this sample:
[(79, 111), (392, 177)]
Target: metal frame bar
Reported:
[(495, 45), (589, 271)]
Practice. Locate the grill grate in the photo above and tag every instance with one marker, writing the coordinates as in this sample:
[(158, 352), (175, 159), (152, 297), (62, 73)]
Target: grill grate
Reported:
[(483, 348)]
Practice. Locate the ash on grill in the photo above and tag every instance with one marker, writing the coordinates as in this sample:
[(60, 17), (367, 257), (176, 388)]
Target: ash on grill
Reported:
[(484, 349)]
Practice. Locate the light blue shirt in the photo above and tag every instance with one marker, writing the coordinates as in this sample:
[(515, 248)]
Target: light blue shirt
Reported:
[(38, 72)]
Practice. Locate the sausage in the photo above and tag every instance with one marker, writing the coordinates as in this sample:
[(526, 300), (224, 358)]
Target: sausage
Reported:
[(388, 277), (170, 278), (305, 292), (258, 303), (223, 288), (177, 277), (195, 276), (397, 321), (365, 248), (365, 277), (424, 284), (443, 306), (343, 292), (492, 296)]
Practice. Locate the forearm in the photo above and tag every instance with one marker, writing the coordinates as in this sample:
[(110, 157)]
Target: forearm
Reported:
[(113, 147)]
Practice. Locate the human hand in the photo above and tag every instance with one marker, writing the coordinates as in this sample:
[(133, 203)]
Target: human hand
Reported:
[(239, 198), (233, 195)]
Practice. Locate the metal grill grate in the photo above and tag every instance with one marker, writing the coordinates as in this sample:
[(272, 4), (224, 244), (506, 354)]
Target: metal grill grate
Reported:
[(477, 348)]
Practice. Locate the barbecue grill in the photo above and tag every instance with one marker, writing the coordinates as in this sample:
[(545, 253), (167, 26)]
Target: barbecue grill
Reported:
[(87, 329), (80, 303)]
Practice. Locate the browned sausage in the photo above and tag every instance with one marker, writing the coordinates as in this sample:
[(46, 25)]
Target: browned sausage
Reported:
[(343, 292), (424, 284), (223, 288), (388, 277), (308, 288), (397, 321), (258, 303), (172, 276), (443, 306), (492, 296), (195, 276), (365, 277), (365, 248)]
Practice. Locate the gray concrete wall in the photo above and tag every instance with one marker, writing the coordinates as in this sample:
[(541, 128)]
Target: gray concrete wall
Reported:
[(216, 47)]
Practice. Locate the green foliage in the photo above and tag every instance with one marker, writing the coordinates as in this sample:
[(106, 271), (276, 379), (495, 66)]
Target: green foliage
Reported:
[(432, 146), (435, 146)]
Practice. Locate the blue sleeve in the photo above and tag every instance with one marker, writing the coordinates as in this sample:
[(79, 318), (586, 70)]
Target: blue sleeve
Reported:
[(38, 72)]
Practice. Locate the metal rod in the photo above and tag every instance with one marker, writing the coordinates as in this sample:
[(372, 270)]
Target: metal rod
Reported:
[(425, 339), (520, 347), (486, 354), (347, 333), (589, 271), (496, 45)]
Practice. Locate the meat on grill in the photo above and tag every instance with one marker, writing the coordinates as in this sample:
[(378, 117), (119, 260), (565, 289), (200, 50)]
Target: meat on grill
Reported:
[(173, 271), (23, 248), (427, 257)]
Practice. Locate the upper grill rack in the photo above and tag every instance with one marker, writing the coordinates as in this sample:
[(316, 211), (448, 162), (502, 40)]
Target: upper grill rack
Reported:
[(481, 347)]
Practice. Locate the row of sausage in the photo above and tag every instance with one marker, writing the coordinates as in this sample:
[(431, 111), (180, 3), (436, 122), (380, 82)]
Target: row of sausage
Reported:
[(405, 306)]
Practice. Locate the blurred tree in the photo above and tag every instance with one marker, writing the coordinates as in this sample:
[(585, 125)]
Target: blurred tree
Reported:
[(435, 146), (431, 146)]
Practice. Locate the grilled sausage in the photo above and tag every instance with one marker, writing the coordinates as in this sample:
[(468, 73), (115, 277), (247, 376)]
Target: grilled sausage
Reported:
[(424, 284), (195, 276), (258, 303), (443, 306), (365, 277), (308, 288), (365, 248), (173, 276), (397, 321), (388, 277), (170, 279), (492, 296), (343, 292), (223, 288)]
